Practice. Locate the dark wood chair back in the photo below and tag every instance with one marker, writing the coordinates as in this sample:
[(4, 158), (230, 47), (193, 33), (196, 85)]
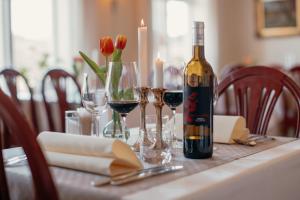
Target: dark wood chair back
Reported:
[(23, 132), (256, 91), (295, 72), (289, 112), (59, 79), (228, 103), (11, 76)]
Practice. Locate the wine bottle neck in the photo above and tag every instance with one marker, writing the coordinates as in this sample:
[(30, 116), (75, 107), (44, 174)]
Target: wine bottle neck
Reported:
[(198, 52), (198, 40)]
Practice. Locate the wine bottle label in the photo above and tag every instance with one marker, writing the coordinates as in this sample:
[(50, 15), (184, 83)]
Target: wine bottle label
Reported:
[(198, 106)]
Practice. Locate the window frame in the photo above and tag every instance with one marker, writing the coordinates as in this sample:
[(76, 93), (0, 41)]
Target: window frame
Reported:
[(7, 34)]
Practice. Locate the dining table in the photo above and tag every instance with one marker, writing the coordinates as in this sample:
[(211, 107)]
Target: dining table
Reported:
[(268, 170)]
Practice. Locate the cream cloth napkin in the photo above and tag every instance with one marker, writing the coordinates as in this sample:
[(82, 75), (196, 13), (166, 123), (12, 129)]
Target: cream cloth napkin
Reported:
[(86, 153), (226, 128)]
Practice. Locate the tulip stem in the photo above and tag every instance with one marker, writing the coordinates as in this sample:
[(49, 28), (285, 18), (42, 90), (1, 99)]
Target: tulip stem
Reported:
[(106, 62)]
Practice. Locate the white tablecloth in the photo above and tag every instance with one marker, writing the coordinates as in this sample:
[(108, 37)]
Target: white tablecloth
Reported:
[(273, 174), (269, 175)]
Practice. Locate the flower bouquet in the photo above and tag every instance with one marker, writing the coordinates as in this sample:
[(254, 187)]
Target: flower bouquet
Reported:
[(107, 48)]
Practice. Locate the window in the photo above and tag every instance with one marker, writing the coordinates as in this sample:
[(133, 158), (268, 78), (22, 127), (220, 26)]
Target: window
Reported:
[(39, 34), (177, 23), (1, 35), (172, 29), (32, 36), (171, 23)]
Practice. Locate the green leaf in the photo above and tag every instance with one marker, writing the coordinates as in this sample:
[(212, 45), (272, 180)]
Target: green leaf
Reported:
[(100, 71), (128, 94), (116, 56), (116, 73)]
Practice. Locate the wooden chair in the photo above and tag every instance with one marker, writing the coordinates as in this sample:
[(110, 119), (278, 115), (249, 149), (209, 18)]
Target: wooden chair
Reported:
[(59, 79), (256, 91), (230, 68), (295, 71), (10, 85), (289, 113), (11, 76), (228, 104), (42, 180)]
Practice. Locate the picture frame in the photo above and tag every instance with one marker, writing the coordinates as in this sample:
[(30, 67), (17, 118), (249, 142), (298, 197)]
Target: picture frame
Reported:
[(277, 17)]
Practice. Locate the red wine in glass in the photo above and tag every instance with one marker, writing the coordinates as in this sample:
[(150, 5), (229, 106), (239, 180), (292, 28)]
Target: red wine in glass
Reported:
[(173, 98), (123, 107)]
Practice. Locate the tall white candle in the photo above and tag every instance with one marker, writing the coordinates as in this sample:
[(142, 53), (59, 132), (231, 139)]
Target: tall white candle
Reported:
[(159, 73), (143, 55)]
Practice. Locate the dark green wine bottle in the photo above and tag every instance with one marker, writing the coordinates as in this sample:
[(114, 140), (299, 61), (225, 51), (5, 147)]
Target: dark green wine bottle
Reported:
[(198, 101)]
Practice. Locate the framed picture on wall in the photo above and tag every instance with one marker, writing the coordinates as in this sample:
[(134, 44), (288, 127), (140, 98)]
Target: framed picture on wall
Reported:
[(278, 17)]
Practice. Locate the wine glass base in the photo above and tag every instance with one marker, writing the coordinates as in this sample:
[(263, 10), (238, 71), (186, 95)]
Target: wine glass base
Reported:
[(141, 140), (177, 144), (157, 146), (157, 156)]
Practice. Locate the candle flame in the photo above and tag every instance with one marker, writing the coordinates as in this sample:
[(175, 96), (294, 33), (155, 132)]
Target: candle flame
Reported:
[(158, 55), (142, 22)]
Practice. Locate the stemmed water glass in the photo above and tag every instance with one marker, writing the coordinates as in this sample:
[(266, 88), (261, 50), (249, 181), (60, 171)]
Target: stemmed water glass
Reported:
[(94, 100), (215, 95), (173, 96), (121, 85)]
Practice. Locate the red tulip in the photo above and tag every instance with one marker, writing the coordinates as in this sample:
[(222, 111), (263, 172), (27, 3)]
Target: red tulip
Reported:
[(106, 46), (121, 42)]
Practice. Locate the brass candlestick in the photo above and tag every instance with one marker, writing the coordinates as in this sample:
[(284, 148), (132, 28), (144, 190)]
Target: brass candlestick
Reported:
[(143, 92), (159, 103)]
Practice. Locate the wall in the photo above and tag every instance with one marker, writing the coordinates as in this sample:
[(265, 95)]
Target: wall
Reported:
[(237, 37), (112, 17)]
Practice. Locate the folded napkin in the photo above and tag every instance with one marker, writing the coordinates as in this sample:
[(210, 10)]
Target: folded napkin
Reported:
[(86, 153), (226, 128)]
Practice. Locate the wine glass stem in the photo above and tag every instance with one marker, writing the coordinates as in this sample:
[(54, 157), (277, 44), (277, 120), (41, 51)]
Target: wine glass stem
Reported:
[(174, 129), (124, 127)]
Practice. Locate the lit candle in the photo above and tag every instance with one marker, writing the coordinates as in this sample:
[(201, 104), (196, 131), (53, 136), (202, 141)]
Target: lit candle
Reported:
[(143, 55), (159, 72)]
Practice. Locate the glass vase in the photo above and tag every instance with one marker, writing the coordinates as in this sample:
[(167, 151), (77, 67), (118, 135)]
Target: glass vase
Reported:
[(113, 129)]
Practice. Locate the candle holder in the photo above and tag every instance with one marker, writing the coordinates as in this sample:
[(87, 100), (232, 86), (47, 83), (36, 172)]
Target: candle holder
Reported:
[(159, 103), (143, 92), (159, 152)]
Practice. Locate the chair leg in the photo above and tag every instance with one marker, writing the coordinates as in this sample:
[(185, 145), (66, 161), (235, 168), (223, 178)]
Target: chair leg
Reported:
[(4, 194)]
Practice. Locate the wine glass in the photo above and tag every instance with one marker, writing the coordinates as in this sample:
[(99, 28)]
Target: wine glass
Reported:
[(121, 92), (173, 96), (215, 96), (94, 100)]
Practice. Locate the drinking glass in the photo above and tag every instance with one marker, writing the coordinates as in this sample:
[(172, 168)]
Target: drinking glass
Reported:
[(72, 121), (216, 93), (173, 96), (121, 91), (215, 96), (154, 156), (94, 100)]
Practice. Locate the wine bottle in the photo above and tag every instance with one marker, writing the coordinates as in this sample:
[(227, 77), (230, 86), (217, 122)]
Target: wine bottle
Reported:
[(198, 101)]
